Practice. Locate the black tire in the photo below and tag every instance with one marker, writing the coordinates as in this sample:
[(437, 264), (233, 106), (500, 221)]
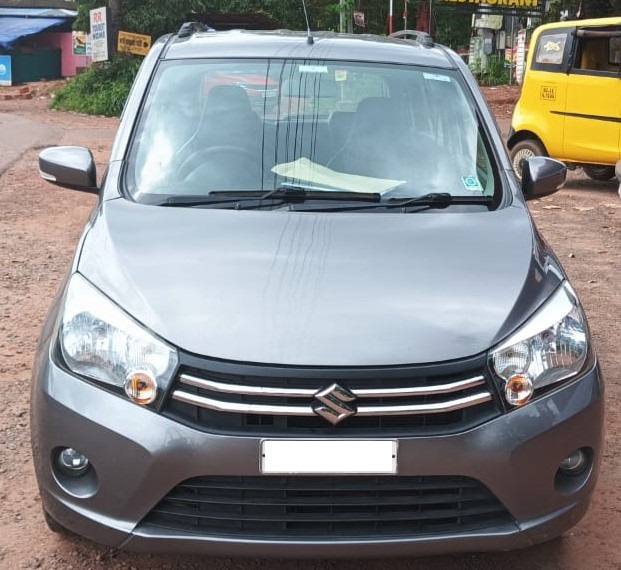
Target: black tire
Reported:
[(599, 172), (523, 150), (55, 526)]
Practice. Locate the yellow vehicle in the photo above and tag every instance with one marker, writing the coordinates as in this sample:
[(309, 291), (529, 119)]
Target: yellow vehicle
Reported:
[(570, 104)]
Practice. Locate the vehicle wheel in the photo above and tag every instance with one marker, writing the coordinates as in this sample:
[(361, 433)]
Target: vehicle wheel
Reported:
[(55, 526), (599, 172), (523, 150)]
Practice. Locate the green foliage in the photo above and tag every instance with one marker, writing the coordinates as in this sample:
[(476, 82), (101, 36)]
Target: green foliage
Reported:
[(452, 29), (150, 17), (572, 9), (596, 9), (496, 73), (99, 90)]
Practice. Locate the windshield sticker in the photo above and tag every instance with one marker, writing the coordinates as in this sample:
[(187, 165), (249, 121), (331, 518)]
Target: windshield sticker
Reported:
[(340, 75), (313, 69), (437, 77), (472, 183)]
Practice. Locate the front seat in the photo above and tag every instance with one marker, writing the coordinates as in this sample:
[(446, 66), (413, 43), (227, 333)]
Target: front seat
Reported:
[(226, 147), (379, 142)]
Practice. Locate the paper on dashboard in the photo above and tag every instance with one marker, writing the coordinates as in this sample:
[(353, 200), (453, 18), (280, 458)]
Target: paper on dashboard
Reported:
[(305, 170)]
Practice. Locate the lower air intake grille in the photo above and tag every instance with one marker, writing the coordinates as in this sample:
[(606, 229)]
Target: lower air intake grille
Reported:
[(330, 507)]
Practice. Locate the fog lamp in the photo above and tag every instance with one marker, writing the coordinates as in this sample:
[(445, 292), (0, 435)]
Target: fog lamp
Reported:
[(518, 390), (141, 387), (575, 463), (71, 462)]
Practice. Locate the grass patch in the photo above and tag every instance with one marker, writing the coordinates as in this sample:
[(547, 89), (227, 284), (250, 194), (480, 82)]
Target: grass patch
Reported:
[(99, 90)]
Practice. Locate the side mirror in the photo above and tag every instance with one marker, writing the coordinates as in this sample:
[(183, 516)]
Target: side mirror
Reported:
[(70, 167), (542, 176)]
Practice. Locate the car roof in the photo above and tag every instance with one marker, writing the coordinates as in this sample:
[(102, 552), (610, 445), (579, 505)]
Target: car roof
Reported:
[(289, 44)]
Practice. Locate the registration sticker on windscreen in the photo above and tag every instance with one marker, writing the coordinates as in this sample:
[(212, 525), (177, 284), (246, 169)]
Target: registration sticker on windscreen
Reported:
[(328, 457), (471, 183), (313, 69), (437, 77)]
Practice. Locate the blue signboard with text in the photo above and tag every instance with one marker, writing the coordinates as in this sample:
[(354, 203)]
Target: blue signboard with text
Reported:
[(5, 70)]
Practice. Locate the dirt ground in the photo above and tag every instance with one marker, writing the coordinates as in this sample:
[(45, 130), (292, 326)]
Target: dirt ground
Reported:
[(39, 227)]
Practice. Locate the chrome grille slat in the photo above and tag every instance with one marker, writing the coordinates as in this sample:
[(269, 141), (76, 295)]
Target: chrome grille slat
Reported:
[(249, 390), (220, 406), (286, 410), (224, 388), (403, 401)]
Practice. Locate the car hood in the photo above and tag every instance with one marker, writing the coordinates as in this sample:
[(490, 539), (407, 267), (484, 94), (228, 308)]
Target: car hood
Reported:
[(302, 288)]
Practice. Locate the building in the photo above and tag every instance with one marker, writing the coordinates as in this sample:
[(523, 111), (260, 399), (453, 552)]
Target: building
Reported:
[(36, 41)]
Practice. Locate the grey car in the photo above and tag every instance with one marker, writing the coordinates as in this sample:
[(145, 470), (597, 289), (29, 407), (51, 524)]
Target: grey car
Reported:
[(320, 327)]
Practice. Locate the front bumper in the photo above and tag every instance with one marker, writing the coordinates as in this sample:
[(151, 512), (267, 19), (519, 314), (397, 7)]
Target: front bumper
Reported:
[(139, 456)]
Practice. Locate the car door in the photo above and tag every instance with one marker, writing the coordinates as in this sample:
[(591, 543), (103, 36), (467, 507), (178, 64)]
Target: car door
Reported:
[(542, 102), (593, 104)]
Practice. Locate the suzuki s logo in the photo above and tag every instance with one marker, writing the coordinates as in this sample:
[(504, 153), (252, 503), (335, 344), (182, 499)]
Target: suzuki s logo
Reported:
[(335, 404)]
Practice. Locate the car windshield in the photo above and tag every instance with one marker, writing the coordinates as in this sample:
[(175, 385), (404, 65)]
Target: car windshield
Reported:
[(256, 126)]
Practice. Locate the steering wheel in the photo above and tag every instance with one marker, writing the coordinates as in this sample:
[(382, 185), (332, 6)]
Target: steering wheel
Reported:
[(223, 167)]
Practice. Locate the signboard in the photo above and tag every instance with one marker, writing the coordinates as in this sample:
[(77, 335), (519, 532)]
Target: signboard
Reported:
[(134, 43), (5, 70), (78, 41), (520, 55), (99, 34), (512, 7)]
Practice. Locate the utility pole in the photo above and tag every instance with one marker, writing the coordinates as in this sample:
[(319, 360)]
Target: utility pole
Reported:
[(342, 16), (114, 7)]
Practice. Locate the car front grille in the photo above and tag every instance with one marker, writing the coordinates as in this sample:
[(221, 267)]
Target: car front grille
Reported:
[(331, 507), (352, 402)]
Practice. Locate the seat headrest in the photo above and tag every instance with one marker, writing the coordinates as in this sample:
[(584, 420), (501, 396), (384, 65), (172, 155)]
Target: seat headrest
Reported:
[(377, 114), (225, 98)]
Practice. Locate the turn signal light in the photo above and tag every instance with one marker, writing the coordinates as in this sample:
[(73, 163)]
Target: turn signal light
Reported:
[(518, 390), (141, 387)]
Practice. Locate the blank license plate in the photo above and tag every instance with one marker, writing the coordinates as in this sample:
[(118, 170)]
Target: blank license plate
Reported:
[(335, 457)]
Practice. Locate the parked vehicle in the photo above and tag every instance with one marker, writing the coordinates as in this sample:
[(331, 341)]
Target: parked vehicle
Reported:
[(570, 103), (328, 330)]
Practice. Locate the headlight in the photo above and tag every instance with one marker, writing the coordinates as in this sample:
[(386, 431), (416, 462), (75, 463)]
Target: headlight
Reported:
[(98, 340), (551, 347)]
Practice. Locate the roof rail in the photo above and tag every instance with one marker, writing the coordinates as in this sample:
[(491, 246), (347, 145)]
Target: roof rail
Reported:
[(422, 38), (188, 29)]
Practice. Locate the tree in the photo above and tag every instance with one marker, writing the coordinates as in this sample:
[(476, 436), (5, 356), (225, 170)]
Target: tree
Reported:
[(596, 8), (150, 17)]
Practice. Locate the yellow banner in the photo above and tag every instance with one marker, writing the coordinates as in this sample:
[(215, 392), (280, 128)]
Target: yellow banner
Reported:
[(134, 43), (508, 3)]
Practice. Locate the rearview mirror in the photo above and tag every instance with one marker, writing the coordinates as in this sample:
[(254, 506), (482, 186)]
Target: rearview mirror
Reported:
[(542, 176), (70, 167)]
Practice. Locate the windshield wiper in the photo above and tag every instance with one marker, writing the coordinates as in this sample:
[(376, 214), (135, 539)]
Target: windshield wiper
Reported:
[(293, 193), (247, 199), (437, 200), (433, 200), (289, 194)]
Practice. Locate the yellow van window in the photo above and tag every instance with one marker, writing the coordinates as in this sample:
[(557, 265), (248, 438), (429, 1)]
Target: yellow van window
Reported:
[(551, 48)]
